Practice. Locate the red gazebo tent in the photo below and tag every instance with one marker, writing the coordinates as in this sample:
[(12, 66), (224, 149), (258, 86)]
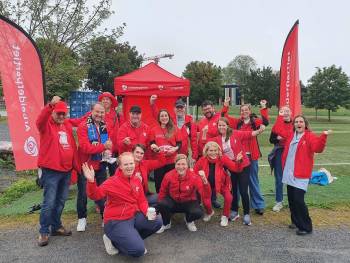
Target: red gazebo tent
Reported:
[(139, 85)]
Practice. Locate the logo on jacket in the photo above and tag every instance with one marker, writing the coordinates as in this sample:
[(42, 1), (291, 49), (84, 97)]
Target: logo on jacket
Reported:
[(31, 146), (160, 87), (124, 87), (187, 187)]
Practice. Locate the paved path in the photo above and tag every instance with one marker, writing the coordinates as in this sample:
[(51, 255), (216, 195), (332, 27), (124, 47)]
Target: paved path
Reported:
[(211, 243)]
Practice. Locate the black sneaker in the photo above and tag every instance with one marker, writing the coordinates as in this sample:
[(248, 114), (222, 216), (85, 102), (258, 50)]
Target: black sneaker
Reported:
[(259, 211), (215, 204)]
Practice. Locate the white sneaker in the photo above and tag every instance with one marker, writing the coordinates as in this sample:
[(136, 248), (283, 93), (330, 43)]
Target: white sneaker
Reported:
[(163, 228), (81, 225), (146, 251), (191, 226), (103, 224), (207, 217), (277, 207), (110, 249), (224, 221)]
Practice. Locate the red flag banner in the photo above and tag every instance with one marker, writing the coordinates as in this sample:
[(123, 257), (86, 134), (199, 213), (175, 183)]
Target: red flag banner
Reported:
[(290, 94), (22, 80)]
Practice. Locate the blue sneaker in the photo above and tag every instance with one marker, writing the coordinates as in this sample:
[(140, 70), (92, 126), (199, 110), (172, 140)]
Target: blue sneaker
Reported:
[(234, 215), (246, 220)]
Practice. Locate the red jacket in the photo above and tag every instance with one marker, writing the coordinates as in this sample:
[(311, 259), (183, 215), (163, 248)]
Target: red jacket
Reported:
[(183, 188), (212, 128), (86, 149), (236, 145), (58, 150), (143, 169), (137, 135), (309, 144), (188, 132), (250, 145), (157, 135), (283, 129), (222, 179), (124, 195)]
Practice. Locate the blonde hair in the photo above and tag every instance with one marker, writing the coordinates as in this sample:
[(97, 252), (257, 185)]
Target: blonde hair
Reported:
[(245, 105), (210, 144), (180, 156)]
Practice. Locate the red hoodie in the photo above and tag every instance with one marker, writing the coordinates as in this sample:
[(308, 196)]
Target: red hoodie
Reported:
[(212, 128), (236, 145), (309, 144), (188, 132), (283, 129), (137, 135), (124, 195), (222, 179), (250, 145), (58, 150), (158, 135), (183, 188)]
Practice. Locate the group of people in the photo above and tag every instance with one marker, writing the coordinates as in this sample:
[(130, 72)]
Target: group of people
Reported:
[(192, 164)]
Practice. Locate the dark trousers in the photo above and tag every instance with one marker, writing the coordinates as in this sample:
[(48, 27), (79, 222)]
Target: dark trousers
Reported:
[(56, 189), (127, 235), (240, 181), (160, 173), (168, 206), (298, 210), (111, 167), (100, 177)]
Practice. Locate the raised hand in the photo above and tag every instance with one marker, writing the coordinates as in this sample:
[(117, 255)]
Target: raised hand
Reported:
[(263, 103), (152, 99), (155, 148), (88, 172), (328, 132), (55, 99), (227, 101), (239, 157)]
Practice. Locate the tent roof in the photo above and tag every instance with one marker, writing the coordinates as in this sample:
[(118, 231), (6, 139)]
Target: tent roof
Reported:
[(151, 79)]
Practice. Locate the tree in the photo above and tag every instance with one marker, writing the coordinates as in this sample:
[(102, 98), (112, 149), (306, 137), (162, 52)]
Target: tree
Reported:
[(262, 84), (238, 71), (205, 80), (66, 26), (328, 89), (65, 74), (107, 59)]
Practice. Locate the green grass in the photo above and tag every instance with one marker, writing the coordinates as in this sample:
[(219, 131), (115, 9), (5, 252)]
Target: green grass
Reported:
[(337, 151)]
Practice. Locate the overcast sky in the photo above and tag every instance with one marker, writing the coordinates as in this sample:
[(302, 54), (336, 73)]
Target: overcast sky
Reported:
[(217, 31)]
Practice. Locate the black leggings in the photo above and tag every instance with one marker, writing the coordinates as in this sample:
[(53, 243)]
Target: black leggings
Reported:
[(241, 181), (169, 206), (159, 174)]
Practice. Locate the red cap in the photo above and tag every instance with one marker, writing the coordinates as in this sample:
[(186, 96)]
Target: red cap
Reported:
[(60, 106), (108, 95)]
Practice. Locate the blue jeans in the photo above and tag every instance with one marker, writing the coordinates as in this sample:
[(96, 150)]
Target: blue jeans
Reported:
[(278, 175), (56, 187), (100, 177), (128, 235), (256, 199)]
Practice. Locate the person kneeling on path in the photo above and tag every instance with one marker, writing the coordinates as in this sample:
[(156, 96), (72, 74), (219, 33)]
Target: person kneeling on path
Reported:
[(178, 194), (57, 156), (128, 218)]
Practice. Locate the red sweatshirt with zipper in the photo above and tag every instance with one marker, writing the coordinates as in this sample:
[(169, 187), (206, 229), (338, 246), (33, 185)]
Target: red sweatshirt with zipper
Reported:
[(183, 188), (308, 145), (250, 145), (124, 196), (58, 150)]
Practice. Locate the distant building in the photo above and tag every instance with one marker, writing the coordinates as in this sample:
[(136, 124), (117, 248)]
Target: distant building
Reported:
[(232, 91)]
